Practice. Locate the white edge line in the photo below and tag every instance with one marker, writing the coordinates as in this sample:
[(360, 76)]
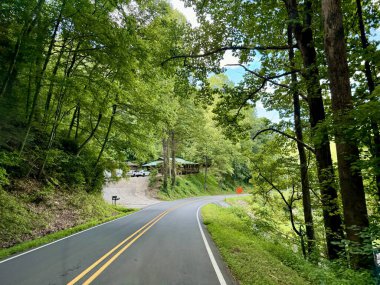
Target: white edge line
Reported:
[(210, 254), (58, 240)]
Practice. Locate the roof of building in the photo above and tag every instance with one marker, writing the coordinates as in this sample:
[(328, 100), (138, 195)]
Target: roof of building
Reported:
[(177, 160)]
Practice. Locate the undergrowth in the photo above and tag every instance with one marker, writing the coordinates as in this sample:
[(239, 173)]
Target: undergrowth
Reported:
[(254, 259), (43, 210), (193, 185)]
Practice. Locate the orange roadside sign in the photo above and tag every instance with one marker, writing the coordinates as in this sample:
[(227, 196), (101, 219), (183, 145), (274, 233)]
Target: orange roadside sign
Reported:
[(239, 190)]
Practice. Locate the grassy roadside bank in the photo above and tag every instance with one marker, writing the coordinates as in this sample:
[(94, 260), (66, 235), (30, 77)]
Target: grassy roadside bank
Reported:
[(24, 246), (193, 185), (253, 259), (35, 215)]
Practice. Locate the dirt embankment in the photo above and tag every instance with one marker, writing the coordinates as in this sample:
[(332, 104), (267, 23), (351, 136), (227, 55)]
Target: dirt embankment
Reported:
[(133, 192)]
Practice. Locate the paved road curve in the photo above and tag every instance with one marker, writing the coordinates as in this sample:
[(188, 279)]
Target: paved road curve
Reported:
[(162, 244)]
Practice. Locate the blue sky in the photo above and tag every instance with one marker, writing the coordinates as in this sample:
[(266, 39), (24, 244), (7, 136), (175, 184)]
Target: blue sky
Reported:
[(235, 74)]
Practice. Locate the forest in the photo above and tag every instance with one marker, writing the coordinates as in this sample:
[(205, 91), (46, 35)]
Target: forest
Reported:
[(86, 85)]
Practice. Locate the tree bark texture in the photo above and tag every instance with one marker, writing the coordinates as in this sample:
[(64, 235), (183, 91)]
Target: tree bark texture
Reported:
[(306, 201), (351, 183), (329, 196), (371, 87), (114, 108)]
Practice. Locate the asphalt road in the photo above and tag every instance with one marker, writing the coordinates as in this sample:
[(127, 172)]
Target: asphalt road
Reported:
[(162, 244)]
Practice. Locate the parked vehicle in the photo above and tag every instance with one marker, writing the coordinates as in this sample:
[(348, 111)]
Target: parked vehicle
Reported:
[(141, 173), (107, 174)]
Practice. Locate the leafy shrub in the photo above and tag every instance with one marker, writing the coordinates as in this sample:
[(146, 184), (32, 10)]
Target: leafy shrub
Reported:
[(10, 162), (75, 172), (3, 177)]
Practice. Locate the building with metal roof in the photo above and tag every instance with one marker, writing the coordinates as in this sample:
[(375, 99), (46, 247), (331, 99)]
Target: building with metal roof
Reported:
[(182, 166)]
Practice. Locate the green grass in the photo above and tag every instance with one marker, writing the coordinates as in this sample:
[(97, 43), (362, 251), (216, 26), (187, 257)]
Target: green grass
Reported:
[(234, 201), (256, 260), (61, 234), (193, 185), (36, 214)]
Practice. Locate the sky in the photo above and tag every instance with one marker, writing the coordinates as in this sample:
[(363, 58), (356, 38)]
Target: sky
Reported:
[(235, 74)]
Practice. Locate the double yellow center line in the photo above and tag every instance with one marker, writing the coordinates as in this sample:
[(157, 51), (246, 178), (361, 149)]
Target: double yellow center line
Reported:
[(124, 245)]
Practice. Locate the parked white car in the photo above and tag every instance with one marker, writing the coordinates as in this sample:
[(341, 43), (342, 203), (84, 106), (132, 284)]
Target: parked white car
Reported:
[(141, 173), (107, 174)]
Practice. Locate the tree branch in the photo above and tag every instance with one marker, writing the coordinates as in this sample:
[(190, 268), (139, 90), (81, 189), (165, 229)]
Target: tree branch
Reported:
[(249, 97), (233, 48), (289, 205), (286, 135), (270, 78)]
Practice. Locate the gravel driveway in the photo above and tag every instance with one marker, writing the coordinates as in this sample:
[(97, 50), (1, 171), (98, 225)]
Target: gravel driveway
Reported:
[(133, 192)]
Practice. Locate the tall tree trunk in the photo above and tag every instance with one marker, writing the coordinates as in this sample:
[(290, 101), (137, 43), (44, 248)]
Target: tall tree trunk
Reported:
[(40, 78), (329, 197), (72, 121), (51, 87), (306, 201), (351, 183), (114, 108), (205, 176), (173, 168), (29, 91), (53, 132), (371, 87), (77, 124), (26, 30), (165, 163)]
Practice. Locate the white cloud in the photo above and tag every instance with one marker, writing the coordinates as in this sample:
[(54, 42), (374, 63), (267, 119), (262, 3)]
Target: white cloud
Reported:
[(188, 12), (229, 58), (262, 112)]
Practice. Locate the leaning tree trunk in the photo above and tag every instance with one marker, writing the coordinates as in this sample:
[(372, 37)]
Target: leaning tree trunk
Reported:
[(114, 108), (40, 77), (52, 83), (73, 121), (306, 201), (351, 182), (329, 196), (93, 131), (371, 87)]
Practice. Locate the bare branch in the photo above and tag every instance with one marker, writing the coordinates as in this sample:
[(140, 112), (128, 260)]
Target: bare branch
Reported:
[(270, 78), (289, 205), (249, 97), (233, 48), (286, 135)]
